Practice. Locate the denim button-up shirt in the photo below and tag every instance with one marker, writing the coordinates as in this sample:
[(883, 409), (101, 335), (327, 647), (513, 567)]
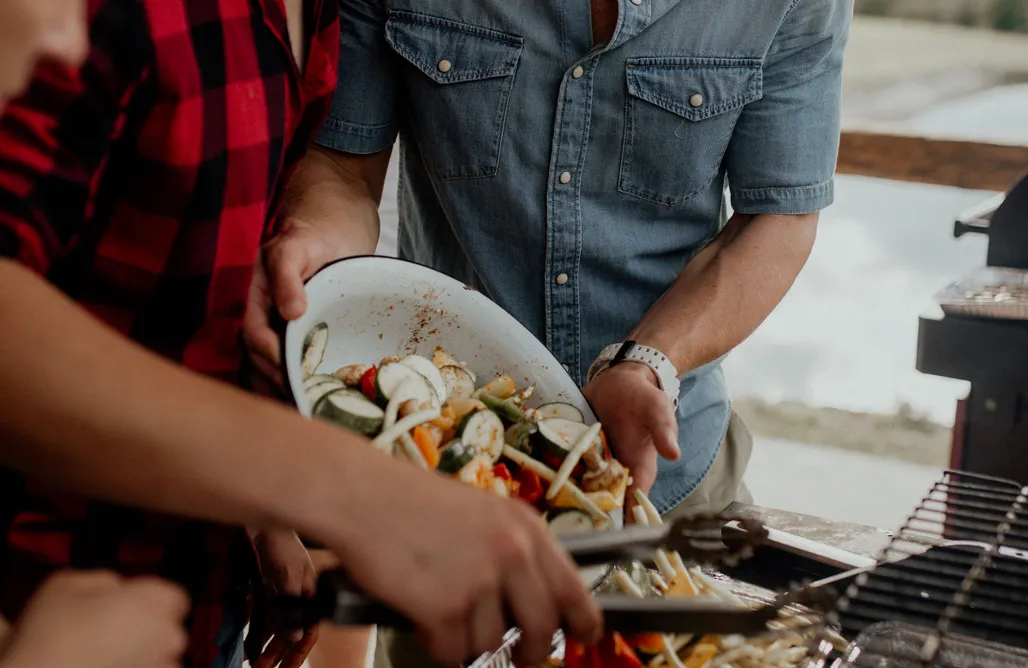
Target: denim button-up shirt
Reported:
[(571, 182)]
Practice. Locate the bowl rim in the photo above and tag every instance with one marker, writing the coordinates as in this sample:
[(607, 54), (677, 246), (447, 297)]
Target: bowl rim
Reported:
[(283, 363)]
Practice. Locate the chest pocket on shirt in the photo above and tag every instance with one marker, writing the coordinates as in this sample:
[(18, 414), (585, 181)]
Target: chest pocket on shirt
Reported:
[(679, 117), (459, 88)]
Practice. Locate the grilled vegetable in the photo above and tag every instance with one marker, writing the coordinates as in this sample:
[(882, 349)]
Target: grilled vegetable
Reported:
[(314, 345), (559, 409), (569, 521), (556, 436), (458, 381), (351, 409), (441, 358), (318, 390), (506, 409), (519, 436), (429, 371), (351, 375), (483, 431), (454, 457), (368, 383), (478, 472), (500, 387), (392, 376), (428, 443), (318, 379)]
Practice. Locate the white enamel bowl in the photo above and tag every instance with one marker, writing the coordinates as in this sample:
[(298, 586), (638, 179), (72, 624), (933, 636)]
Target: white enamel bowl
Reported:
[(376, 307)]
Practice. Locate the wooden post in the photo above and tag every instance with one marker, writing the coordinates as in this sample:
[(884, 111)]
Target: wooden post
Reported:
[(944, 162)]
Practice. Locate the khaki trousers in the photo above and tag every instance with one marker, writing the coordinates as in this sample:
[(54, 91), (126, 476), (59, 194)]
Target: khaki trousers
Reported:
[(722, 486)]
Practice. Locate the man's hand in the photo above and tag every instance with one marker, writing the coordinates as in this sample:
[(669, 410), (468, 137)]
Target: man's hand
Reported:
[(287, 569), (455, 559), (285, 262), (637, 417), (98, 620)]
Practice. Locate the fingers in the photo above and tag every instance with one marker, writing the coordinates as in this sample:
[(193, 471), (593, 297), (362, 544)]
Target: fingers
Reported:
[(262, 343), (447, 643), (286, 264), (298, 653), (663, 427), (487, 625), (273, 654), (577, 608), (529, 597)]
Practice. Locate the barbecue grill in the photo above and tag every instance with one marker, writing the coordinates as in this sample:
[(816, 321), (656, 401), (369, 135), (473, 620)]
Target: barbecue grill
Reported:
[(982, 337), (951, 587), (950, 590)]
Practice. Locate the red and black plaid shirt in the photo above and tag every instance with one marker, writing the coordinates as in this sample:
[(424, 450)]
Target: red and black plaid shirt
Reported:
[(141, 186)]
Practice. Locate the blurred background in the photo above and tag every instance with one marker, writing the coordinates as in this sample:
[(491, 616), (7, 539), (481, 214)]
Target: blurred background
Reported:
[(846, 427)]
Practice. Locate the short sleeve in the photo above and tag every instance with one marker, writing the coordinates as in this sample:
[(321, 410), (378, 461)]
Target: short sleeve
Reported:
[(782, 156), (363, 115)]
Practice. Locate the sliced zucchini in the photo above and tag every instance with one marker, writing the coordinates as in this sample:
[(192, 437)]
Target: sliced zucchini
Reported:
[(458, 380), (318, 379), (430, 372), (483, 431), (557, 436), (569, 521), (508, 411), (519, 436), (559, 409), (392, 376), (316, 392), (454, 457), (314, 345), (351, 409)]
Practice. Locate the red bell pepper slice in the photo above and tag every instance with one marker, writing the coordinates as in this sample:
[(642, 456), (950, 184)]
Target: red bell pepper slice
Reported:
[(501, 471), (611, 652), (530, 487), (368, 383)]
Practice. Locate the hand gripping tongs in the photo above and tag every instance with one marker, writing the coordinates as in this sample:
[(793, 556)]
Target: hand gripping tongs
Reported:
[(698, 540)]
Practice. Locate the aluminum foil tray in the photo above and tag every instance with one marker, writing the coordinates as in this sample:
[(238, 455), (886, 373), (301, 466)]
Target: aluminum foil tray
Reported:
[(502, 657), (894, 645), (992, 292)]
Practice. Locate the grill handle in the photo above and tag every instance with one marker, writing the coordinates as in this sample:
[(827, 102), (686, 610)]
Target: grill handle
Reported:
[(977, 220)]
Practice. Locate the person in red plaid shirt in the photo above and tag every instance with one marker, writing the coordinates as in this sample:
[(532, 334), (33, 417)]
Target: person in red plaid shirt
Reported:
[(134, 195)]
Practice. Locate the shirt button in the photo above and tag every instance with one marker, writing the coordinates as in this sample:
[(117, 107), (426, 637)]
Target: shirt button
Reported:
[(566, 368), (445, 66), (565, 177), (696, 100), (578, 72), (637, 2), (562, 279)]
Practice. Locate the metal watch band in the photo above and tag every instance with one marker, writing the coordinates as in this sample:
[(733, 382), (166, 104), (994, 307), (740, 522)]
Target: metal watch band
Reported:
[(630, 351)]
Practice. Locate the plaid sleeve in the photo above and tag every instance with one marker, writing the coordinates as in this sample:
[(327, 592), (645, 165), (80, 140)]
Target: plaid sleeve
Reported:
[(55, 139)]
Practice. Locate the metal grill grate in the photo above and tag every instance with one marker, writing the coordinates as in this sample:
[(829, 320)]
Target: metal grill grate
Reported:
[(957, 568)]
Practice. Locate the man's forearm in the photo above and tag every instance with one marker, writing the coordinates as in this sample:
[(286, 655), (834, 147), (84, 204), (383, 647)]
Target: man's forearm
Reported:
[(88, 411), (728, 289), (341, 192)]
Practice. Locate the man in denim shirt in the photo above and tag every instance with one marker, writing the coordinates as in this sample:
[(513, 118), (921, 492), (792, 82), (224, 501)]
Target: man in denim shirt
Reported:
[(570, 160)]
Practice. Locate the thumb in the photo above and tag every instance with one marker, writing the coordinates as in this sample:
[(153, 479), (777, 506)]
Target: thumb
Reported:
[(664, 432), (285, 265)]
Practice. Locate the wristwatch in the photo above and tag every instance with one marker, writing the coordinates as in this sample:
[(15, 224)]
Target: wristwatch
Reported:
[(630, 351)]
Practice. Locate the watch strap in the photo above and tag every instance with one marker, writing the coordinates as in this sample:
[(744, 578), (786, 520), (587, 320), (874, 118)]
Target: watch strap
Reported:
[(630, 351)]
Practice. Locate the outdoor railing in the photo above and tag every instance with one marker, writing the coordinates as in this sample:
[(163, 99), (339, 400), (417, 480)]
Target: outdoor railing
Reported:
[(943, 162)]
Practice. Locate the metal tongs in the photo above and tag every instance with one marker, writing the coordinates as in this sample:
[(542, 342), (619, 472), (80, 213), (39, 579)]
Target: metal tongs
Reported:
[(698, 540)]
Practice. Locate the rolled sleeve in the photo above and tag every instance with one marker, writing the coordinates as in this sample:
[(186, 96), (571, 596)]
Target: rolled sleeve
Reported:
[(363, 115), (782, 156)]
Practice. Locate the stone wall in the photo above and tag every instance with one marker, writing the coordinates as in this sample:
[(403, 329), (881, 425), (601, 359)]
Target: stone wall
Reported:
[(1011, 15)]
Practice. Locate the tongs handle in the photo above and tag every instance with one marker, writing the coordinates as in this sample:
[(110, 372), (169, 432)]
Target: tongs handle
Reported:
[(340, 602)]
